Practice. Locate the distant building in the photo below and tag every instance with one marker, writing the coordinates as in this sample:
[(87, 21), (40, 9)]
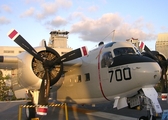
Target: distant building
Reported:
[(58, 39), (162, 43), (135, 42)]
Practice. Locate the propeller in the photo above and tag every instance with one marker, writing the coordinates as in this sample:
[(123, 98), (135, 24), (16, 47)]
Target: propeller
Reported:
[(47, 64), (161, 61), (45, 88), (70, 56), (145, 48), (14, 35)]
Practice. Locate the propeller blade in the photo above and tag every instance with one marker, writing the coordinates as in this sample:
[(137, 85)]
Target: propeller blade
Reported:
[(145, 48), (45, 89), (14, 35), (163, 80), (72, 55)]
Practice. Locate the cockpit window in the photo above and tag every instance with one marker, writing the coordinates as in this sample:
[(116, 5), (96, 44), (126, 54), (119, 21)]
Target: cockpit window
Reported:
[(107, 59), (124, 51), (109, 44), (138, 52)]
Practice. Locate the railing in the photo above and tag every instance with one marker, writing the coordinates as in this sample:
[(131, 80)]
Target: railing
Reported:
[(50, 105)]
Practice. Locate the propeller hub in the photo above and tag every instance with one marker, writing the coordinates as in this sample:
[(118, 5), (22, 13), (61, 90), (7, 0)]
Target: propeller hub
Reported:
[(39, 67)]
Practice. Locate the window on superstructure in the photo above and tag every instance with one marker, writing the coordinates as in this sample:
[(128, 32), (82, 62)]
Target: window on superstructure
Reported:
[(8, 51), (21, 51), (79, 78), (87, 75)]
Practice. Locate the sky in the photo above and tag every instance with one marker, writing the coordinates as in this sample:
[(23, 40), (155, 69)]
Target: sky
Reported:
[(88, 21)]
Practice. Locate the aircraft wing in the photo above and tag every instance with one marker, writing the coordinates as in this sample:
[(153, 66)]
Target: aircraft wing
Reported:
[(71, 64), (8, 62), (11, 62)]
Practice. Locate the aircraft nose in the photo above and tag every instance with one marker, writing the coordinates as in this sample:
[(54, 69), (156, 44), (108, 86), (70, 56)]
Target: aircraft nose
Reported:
[(147, 72), (144, 69)]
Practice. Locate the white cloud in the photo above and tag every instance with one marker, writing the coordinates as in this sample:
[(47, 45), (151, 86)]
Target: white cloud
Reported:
[(96, 29), (93, 8), (139, 23), (33, 1), (50, 8), (45, 9), (28, 13), (4, 20), (150, 27), (76, 16), (6, 8), (57, 22), (164, 28), (87, 28)]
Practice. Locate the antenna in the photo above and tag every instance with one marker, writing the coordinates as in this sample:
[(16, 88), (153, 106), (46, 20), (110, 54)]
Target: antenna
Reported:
[(109, 34), (113, 35)]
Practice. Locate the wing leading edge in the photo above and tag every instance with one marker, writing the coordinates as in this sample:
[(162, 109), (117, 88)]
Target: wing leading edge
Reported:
[(71, 64), (8, 62)]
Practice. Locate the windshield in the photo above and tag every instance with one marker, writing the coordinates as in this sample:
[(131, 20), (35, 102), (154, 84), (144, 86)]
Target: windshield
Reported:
[(124, 51), (107, 59)]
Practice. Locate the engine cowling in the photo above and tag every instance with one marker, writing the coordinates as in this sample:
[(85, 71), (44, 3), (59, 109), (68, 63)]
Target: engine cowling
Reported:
[(31, 71)]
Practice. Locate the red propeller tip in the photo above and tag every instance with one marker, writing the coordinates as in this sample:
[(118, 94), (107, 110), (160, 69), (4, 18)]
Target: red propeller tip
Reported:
[(84, 51), (141, 45), (13, 34)]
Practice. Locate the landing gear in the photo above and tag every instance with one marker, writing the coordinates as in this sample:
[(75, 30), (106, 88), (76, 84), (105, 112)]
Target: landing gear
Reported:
[(146, 98), (147, 102), (30, 111)]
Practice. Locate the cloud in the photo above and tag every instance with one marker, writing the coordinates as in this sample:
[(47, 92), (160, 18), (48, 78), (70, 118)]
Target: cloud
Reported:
[(164, 28), (33, 1), (76, 16), (97, 29), (150, 27), (45, 9), (139, 23), (28, 13), (50, 8), (6, 8), (57, 22), (93, 8), (4, 20)]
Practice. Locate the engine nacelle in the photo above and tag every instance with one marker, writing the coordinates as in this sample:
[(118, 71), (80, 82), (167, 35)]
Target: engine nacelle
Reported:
[(31, 71)]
